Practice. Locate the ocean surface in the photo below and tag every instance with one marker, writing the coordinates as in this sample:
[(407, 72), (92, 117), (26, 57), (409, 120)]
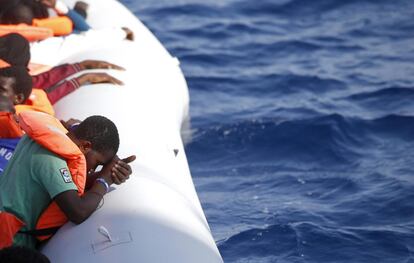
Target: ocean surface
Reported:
[(302, 115)]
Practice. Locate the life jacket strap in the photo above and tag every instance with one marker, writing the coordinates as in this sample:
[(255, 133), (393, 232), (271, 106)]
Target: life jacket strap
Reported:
[(40, 232)]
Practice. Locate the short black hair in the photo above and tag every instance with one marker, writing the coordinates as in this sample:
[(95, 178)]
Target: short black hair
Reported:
[(15, 12), (23, 82), (101, 132), (22, 255), (14, 49), (39, 9)]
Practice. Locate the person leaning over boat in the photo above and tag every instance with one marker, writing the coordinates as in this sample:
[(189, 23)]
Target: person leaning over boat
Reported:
[(16, 86), (51, 165), (52, 84)]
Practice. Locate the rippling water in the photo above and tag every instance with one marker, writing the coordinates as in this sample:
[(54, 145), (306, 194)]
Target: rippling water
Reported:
[(303, 118)]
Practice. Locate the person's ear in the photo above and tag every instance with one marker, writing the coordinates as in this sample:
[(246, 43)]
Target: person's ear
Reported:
[(19, 99), (85, 146)]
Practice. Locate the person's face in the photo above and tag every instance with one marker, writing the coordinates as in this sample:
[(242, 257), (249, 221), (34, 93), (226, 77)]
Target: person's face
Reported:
[(6, 88), (94, 159), (6, 104)]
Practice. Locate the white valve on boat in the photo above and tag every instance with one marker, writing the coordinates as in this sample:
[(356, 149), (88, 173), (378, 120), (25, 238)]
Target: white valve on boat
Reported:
[(102, 230)]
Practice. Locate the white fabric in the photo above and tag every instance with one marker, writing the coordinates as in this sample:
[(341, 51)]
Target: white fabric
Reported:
[(61, 8)]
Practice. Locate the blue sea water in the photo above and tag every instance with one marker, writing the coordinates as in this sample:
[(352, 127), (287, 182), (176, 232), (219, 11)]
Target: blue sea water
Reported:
[(303, 124)]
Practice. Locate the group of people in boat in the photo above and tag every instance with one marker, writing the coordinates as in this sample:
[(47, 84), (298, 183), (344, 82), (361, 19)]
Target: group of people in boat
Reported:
[(48, 172)]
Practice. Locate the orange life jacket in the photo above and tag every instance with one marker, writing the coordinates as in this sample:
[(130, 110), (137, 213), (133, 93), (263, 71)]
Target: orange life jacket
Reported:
[(60, 25), (47, 131), (31, 33), (37, 101), (4, 64), (9, 128), (9, 226)]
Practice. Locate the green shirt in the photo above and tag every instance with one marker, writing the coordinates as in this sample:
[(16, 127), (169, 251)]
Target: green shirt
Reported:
[(33, 177)]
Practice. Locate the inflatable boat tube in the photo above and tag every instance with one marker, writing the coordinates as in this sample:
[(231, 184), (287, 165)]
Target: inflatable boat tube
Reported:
[(156, 215)]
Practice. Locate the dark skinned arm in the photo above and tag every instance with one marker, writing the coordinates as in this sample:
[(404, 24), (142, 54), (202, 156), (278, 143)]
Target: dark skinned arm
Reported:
[(79, 208), (98, 64), (120, 172), (95, 78)]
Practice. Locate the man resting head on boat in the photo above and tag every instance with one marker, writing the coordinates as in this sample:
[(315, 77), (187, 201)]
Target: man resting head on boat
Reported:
[(51, 177)]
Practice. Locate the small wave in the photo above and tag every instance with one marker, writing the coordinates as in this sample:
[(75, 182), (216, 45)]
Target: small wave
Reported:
[(324, 140), (391, 93), (270, 84), (254, 243), (392, 100), (296, 7), (295, 242), (327, 141), (222, 31), (193, 9), (367, 245)]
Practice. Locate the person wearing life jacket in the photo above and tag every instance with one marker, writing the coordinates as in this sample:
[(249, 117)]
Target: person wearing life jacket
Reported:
[(19, 83), (16, 85), (9, 127), (23, 16), (77, 15), (19, 90), (17, 17), (46, 182), (51, 86), (10, 131)]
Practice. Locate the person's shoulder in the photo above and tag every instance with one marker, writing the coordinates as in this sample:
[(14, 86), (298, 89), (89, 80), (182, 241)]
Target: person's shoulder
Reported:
[(45, 154), (41, 154), (46, 164)]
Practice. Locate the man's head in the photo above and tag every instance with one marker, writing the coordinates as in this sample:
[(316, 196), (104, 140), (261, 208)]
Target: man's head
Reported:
[(15, 83), (15, 12), (40, 10), (98, 139), (15, 49)]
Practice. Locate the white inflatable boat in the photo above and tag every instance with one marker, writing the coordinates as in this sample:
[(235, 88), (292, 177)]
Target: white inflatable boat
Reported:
[(156, 216)]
